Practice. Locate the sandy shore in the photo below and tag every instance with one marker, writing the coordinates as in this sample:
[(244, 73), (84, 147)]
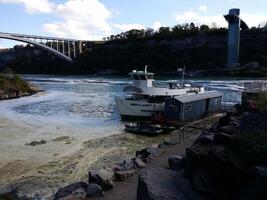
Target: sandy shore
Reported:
[(50, 157)]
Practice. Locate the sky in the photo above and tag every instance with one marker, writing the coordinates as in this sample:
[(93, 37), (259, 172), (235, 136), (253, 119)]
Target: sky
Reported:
[(95, 19)]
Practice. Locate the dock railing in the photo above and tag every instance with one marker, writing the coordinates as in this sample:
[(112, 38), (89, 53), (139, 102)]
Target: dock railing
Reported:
[(226, 108), (195, 128), (255, 86)]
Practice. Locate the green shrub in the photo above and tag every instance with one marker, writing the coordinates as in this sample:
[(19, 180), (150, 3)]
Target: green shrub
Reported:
[(262, 101), (251, 148), (10, 82)]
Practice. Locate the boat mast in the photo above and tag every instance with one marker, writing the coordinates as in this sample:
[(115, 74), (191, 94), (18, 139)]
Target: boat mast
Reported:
[(183, 73)]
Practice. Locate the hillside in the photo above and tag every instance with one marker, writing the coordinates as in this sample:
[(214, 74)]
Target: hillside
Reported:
[(199, 48)]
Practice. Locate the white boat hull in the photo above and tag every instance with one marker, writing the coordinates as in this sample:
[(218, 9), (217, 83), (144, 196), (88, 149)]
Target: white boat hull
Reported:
[(131, 109)]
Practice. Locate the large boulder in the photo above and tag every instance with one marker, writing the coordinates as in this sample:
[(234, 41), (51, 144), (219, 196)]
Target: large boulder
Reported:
[(205, 139), (138, 163), (261, 174), (123, 175), (253, 122), (224, 120), (203, 183), (94, 190), (229, 129), (104, 177), (148, 153), (222, 138), (33, 188), (158, 184), (170, 141), (125, 165), (176, 162), (73, 191)]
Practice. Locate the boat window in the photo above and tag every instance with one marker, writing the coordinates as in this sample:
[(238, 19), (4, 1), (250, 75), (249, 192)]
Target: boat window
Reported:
[(188, 108), (149, 76), (135, 77), (143, 77), (217, 101)]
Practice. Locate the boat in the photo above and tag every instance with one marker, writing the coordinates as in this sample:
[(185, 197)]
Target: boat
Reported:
[(144, 97), (143, 128)]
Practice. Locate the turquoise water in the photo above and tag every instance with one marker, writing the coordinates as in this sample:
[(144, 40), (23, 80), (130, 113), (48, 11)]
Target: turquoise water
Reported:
[(88, 101)]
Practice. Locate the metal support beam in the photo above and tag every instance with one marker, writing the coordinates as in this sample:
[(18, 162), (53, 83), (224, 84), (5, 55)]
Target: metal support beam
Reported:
[(69, 49), (74, 49), (80, 47), (63, 47), (57, 45)]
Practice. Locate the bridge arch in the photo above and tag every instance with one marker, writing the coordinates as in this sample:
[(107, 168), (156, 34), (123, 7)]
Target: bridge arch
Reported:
[(42, 46)]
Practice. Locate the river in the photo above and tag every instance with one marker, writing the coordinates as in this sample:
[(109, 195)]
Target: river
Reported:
[(87, 102)]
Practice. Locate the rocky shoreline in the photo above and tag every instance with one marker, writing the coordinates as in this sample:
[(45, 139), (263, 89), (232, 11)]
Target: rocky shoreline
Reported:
[(100, 177), (227, 161), (216, 166), (212, 167), (16, 93), (13, 86)]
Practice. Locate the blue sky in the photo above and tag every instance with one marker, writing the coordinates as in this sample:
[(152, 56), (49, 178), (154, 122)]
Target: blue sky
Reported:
[(95, 19)]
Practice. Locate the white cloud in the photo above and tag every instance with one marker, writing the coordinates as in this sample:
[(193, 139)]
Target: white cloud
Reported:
[(157, 25), (127, 27), (254, 20), (203, 8), (2, 47), (81, 19), (34, 6), (197, 18), (190, 16)]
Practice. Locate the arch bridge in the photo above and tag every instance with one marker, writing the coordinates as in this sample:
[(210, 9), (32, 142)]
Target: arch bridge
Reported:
[(66, 49)]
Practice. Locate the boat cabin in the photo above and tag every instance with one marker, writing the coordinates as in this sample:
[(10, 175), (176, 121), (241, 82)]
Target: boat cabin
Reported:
[(142, 78), (190, 107)]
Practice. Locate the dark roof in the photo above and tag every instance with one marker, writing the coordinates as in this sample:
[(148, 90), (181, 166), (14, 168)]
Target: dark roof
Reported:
[(197, 97)]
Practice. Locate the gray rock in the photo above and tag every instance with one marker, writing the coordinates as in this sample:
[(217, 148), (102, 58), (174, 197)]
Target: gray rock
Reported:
[(79, 194), (222, 138), (104, 177), (139, 163), (148, 153), (261, 172), (205, 139), (203, 183), (170, 141), (117, 167), (123, 175), (229, 129), (153, 150), (128, 164), (75, 190), (94, 190), (176, 162), (158, 184), (33, 188), (5, 189)]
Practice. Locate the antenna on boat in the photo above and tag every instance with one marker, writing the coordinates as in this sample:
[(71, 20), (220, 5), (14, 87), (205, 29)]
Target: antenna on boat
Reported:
[(183, 73), (146, 68)]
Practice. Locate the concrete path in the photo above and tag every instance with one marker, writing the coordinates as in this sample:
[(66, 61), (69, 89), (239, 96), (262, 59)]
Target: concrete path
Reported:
[(127, 190)]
